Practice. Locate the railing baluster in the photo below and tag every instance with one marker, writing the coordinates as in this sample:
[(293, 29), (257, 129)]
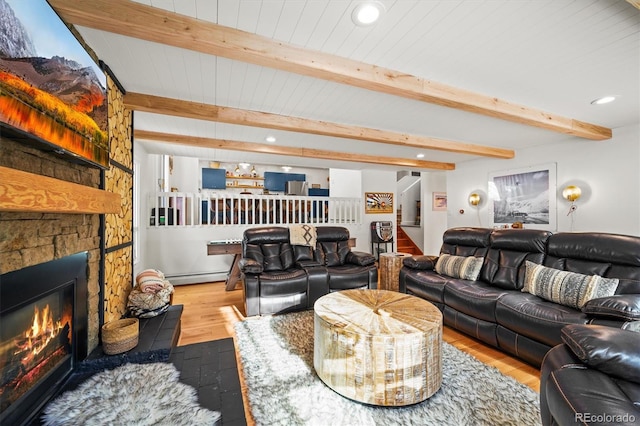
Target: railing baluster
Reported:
[(209, 209)]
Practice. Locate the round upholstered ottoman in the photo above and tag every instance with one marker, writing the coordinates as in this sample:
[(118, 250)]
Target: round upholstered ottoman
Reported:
[(378, 347)]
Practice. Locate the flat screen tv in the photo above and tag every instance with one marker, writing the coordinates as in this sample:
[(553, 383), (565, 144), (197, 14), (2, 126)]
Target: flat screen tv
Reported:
[(52, 93)]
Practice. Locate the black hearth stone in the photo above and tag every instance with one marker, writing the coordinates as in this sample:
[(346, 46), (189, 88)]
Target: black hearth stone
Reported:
[(211, 368), (158, 336)]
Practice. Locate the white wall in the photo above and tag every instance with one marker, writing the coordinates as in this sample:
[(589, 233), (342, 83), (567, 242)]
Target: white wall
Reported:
[(434, 223), (345, 183), (148, 171), (408, 198), (186, 174), (608, 172), (179, 250)]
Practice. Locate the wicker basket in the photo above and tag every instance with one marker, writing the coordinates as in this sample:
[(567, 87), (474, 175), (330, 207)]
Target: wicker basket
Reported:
[(120, 336)]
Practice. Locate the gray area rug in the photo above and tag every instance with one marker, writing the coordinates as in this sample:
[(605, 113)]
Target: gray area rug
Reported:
[(132, 394), (283, 389)]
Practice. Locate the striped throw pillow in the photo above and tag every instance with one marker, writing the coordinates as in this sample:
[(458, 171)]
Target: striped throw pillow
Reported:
[(465, 267), (566, 288)]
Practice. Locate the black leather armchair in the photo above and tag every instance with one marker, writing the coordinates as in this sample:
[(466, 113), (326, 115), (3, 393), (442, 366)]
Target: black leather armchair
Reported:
[(593, 378)]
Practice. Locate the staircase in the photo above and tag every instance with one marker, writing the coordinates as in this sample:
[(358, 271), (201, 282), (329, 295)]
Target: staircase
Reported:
[(404, 244)]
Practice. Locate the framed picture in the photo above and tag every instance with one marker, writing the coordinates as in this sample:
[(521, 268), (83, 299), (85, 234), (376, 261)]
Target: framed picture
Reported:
[(378, 202), (524, 195), (439, 201)]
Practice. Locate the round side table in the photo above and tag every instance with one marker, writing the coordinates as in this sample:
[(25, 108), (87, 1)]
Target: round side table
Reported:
[(390, 265)]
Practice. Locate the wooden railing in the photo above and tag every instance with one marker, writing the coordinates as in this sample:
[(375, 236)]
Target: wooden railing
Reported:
[(202, 209)]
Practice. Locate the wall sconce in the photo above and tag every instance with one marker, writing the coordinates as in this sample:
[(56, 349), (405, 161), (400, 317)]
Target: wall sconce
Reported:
[(571, 193), (237, 170), (474, 199)]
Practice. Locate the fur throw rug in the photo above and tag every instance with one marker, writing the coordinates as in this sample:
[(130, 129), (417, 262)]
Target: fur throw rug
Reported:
[(132, 394), (283, 388)]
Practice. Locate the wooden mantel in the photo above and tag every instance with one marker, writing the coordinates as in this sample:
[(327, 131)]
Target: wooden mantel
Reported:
[(28, 192)]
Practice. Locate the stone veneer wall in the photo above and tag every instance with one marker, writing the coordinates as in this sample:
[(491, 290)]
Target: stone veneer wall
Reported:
[(28, 239)]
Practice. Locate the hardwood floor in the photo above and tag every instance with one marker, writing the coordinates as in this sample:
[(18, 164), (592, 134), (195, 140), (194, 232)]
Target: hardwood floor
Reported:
[(210, 312)]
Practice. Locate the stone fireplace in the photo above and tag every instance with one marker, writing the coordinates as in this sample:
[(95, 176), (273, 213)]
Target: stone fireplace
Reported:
[(30, 238), (43, 334)]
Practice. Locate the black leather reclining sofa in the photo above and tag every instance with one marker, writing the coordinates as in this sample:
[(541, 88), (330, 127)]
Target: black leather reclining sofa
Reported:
[(280, 277), (494, 309)]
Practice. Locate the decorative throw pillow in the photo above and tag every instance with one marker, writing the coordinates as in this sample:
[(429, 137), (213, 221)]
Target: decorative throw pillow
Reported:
[(564, 287), (465, 267), (303, 235)]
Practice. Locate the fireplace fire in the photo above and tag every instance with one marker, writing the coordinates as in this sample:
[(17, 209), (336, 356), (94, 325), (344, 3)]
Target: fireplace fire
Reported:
[(44, 329), (43, 320), (27, 357)]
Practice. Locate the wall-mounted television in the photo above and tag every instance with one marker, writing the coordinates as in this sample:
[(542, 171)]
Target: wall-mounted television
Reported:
[(52, 93)]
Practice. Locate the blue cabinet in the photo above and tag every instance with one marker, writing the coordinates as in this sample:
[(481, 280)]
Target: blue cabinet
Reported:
[(214, 179), (274, 181), (318, 192)]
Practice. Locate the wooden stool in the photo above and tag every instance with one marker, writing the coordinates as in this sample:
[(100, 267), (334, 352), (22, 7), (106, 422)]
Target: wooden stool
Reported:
[(378, 347)]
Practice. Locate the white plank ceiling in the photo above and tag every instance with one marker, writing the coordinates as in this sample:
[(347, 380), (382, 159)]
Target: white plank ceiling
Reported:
[(554, 55)]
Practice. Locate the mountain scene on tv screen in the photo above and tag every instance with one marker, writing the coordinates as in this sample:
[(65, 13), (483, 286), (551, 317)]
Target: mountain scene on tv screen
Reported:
[(52, 96)]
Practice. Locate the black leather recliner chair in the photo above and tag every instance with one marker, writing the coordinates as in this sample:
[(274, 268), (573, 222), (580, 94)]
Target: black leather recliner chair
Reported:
[(280, 277), (593, 378), (273, 282), (346, 269)]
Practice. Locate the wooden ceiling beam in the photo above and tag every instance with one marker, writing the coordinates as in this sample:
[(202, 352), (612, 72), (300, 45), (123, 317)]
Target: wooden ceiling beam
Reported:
[(157, 25), (635, 3), (199, 111), (286, 150)]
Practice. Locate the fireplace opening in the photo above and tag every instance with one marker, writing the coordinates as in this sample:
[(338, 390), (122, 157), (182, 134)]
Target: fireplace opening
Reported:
[(43, 333)]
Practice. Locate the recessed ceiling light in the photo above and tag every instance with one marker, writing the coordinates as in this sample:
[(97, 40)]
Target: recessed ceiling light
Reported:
[(270, 139), (420, 155), (367, 13), (603, 100)]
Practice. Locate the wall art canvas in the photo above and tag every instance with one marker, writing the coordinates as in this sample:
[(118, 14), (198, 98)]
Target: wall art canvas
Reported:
[(524, 195), (378, 202), (51, 91), (439, 202)]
